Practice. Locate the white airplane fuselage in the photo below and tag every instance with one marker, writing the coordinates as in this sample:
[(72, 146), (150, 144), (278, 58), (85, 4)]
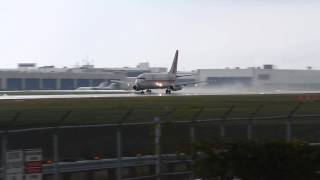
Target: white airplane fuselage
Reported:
[(155, 81)]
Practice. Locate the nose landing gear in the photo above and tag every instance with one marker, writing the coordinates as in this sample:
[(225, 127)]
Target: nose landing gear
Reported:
[(168, 91)]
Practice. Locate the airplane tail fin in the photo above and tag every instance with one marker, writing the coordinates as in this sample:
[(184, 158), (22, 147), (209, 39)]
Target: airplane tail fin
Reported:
[(173, 69)]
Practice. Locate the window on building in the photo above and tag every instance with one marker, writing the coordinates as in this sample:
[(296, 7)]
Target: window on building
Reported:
[(83, 83), (264, 76), (32, 84), (14, 84), (49, 84), (67, 84), (222, 81)]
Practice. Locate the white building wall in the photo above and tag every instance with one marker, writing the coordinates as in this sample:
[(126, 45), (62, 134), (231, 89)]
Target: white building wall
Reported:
[(288, 79), (205, 73), (290, 76), (4, 75), (269, 78)]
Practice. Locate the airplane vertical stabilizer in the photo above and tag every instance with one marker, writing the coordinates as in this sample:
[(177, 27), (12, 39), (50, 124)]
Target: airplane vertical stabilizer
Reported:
[(173, 69)]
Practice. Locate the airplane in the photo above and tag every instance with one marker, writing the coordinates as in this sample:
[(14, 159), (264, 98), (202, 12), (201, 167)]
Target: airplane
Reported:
[(168, 81)]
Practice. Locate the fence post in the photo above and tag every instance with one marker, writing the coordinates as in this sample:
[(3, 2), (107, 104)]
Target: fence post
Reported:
[(4, 144), (223, 119), (193, 139), (289, 122), (192, 151), (119, 143), (288, 129), (55, 140), (56, 154), (222, 129), (119, 153), (250, 122), (157, 147), (249, 129)]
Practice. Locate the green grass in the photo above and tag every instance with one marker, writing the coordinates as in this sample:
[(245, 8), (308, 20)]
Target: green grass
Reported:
[(47, 112)]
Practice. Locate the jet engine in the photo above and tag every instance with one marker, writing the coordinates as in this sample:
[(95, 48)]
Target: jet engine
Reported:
[(175, 88), (135, 87)]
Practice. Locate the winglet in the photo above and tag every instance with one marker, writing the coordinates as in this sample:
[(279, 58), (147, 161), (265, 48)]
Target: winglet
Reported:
[(173, 69)]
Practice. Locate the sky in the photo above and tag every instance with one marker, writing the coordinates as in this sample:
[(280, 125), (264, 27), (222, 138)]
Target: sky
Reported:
[(208, 33)]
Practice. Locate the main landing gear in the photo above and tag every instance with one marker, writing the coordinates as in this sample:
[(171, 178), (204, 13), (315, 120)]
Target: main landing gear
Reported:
[(168, 91), (147, 91)]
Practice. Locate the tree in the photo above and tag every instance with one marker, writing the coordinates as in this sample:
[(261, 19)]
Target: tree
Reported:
[(258, 160)]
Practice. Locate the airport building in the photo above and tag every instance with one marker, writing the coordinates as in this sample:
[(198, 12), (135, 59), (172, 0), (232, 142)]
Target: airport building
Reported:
[(30, 77), (266, 78), (27, 76)]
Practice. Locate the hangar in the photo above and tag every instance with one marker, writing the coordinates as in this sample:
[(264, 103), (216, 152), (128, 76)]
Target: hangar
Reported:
[(51, 78), (27, 76)]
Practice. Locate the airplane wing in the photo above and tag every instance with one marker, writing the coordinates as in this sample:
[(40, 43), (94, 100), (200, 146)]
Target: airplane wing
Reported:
[(178, 76)]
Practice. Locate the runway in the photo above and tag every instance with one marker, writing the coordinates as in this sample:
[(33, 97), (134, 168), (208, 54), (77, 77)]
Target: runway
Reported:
[(21, 95), (90, 95)]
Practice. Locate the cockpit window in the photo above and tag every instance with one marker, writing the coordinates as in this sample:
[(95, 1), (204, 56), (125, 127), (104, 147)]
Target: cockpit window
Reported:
[(141, 77)]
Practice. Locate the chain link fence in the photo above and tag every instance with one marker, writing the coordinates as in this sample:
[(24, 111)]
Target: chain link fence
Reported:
[(74, 135)]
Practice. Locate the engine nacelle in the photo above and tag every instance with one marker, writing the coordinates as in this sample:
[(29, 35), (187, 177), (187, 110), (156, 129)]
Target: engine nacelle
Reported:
[(176, 88), (135, 87)]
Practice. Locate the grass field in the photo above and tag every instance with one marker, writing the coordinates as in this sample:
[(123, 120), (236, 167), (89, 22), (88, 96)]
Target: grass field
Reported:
[(85, 143), (48, 112)]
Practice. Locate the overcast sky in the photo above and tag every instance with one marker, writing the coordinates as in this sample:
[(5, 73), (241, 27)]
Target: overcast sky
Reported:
[(208, 33)]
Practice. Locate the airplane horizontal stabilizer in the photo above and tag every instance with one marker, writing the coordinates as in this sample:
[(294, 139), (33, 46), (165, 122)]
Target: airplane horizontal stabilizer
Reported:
[(189, 83)]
